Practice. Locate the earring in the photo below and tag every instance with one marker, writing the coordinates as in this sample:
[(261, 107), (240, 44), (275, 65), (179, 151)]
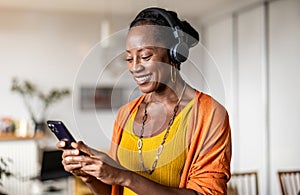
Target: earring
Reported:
[(173, 74)]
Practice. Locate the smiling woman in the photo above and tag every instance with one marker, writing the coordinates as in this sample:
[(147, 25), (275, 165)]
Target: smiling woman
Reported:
[(172, 139), (148, 65)]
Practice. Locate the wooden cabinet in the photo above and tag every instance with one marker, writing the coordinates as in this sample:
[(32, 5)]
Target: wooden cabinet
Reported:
[(24, 164)]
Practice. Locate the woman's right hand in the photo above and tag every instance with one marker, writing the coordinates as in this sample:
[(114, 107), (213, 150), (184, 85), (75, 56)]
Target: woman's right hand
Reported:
[(71, 164)]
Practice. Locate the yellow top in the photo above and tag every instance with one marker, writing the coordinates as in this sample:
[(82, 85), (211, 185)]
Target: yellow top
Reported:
[(170, 162)]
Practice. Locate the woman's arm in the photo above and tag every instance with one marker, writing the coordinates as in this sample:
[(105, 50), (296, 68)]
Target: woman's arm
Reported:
[(106, 171), (98, 187), (141, 185)]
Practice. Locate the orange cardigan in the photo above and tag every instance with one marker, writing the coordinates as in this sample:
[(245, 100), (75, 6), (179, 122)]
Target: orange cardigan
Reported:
[(207, 167)]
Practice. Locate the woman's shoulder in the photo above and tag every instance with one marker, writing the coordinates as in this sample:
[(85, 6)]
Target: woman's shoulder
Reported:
[(207, 102)]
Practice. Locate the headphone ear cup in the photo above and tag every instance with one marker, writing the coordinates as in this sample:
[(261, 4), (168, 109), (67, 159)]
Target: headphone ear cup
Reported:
[(180, 52)]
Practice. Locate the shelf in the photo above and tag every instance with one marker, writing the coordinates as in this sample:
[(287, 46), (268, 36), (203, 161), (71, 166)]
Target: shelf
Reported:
[(11, 136)]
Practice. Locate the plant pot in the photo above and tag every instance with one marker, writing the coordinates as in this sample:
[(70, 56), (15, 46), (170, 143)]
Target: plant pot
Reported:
[(40, 127)]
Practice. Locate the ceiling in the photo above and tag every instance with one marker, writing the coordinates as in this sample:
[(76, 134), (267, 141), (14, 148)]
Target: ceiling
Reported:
[(200, 8)]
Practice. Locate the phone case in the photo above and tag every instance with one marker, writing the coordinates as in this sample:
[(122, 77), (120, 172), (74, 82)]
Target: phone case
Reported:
[(61, 132)]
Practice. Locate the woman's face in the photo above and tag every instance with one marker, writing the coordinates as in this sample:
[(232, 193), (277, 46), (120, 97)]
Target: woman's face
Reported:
[(147, 59)]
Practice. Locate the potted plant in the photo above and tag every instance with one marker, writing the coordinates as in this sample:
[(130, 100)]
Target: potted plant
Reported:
[(4, 171), (37, 102)]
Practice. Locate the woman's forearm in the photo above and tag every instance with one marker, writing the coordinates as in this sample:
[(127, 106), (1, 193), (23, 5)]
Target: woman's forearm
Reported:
[(98, 187), (141, 185)]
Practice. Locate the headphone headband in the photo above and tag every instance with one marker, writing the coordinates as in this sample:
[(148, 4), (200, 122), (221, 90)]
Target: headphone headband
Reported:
[(180, 51), (164, 14)]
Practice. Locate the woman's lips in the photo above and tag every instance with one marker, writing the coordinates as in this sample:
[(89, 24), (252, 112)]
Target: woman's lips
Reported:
[(142, 79)]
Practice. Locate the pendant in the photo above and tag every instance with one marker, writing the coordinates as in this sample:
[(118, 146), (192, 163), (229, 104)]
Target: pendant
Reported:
[(140, 144), (159, 150)]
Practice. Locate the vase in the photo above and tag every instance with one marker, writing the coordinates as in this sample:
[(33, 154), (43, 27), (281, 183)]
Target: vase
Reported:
[(39, 127)]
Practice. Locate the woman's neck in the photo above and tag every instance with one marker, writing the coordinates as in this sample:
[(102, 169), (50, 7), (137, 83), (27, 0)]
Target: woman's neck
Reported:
[(168, 93)]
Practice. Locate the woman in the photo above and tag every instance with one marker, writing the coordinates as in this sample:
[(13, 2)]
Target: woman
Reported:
[(170, 140)]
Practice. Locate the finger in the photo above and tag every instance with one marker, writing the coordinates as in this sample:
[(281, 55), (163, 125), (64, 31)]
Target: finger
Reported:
[(91, 172), (92, 160), (70, 152), (61, 144), (70, 163), (84, 148), (90, 168), (79, 172), (72, 167), (77, 160), (100, 173)]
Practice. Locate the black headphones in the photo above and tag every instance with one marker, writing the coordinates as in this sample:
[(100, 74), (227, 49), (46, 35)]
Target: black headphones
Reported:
[(180, 51)]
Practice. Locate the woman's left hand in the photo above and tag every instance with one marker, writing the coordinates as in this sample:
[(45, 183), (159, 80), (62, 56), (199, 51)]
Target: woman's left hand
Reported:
[(100, 165)]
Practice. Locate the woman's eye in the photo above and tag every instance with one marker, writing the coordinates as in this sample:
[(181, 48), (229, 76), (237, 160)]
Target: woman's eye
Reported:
[(147, 57), (128, 59)]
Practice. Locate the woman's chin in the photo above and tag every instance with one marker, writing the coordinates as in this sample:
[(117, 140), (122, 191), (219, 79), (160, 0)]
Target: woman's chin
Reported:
[(146, 88)]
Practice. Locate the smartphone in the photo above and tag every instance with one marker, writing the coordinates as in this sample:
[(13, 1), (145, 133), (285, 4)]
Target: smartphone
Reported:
[(61, 132)]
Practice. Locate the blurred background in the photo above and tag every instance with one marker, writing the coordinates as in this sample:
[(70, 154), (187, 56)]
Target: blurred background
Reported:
[(248, 60)]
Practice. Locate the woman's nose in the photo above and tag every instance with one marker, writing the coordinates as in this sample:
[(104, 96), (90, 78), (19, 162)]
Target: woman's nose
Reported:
[(136, 65)]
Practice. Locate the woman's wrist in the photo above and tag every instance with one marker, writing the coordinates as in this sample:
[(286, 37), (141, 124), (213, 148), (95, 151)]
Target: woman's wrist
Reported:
[(126, 178)]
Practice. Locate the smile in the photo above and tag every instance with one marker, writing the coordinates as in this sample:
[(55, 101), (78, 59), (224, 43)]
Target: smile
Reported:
[(143, 79)]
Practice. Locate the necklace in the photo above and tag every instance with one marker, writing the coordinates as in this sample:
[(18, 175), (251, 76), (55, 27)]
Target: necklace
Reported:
[(161, 146)]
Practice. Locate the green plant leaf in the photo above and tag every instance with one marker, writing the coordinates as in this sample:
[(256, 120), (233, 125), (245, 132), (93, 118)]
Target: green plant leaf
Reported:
[(28, 90)]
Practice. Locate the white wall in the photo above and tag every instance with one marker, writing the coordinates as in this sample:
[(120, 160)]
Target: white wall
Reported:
[(234, 46), (284, 87), (62, 50), (48, 49), (246, 82), (238, 44), (251, 110), (220, 49)]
